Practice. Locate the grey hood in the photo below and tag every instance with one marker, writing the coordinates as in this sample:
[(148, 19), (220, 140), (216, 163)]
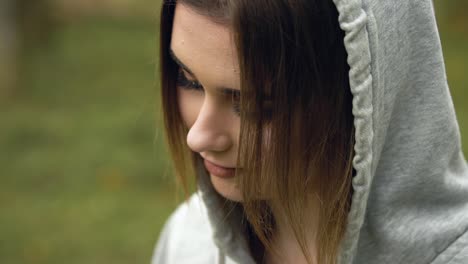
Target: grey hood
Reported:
[(410, 201)]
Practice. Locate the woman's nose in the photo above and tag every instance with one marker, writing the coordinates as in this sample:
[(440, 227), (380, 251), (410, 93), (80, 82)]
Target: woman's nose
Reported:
[(209, 131)]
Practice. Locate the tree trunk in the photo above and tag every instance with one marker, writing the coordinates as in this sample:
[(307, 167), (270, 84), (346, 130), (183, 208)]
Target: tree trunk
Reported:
[(8, 49)]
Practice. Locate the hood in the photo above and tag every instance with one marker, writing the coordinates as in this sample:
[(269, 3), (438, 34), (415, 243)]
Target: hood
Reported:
[(410, 201)]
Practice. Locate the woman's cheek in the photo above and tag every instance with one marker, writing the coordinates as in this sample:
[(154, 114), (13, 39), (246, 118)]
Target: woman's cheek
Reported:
[(189, 105)]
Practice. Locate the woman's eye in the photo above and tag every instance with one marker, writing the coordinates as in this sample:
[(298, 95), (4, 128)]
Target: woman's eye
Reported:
[(235, 102), (236, 108), (185, 83)]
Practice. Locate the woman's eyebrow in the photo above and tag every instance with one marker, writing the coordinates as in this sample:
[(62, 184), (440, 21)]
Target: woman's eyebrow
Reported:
[(174, 57), (225, 90)]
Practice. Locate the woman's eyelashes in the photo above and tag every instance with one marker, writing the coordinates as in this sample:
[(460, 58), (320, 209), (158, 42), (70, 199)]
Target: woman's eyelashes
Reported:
[(185, 83), (232, 95)]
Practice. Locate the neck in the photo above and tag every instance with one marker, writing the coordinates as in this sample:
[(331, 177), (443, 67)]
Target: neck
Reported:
[(285, 241)]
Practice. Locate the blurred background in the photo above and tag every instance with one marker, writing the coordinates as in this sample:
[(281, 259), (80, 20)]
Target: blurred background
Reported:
[(85, 176)]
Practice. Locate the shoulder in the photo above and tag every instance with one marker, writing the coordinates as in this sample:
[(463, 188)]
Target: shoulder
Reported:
[(187, 236)]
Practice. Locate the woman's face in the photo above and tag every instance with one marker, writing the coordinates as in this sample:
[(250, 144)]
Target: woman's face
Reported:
[(208, 88)]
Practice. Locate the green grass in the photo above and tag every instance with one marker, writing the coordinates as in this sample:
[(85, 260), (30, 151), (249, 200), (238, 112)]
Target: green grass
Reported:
[(85, 176), (84, 172)]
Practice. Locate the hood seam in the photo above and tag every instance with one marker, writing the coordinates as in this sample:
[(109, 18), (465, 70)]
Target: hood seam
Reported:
[(353, 21)]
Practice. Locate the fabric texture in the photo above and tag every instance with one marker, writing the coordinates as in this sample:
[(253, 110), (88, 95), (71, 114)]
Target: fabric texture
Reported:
[(410, 201)]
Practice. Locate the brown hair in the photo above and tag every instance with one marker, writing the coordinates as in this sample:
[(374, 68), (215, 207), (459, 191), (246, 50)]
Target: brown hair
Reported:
[(295, 89)]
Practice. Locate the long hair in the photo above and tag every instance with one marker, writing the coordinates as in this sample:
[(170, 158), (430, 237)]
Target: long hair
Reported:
[(297, 133)]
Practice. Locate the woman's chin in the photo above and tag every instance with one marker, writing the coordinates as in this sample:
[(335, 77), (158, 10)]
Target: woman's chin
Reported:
[(226, 187)]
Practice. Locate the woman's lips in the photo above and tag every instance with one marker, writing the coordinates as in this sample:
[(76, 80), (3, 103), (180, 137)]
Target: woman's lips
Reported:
[(219, 171)]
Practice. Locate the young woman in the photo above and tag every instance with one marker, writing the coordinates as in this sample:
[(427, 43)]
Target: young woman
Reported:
[(318, 131)]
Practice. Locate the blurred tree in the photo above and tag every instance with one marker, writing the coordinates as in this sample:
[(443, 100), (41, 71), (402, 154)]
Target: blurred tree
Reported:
[(24, 25), (36, 22), (8, 46)]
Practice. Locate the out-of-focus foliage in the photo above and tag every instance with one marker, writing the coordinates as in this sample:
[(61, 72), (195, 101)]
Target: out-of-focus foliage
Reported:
[(84, 171), (453, 29), (84, 175)]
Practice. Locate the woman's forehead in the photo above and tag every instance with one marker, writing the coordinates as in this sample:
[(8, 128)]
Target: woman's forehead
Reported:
[(201, 43)]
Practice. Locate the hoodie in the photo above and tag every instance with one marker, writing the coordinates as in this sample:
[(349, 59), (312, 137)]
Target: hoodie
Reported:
[(410, 200)]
